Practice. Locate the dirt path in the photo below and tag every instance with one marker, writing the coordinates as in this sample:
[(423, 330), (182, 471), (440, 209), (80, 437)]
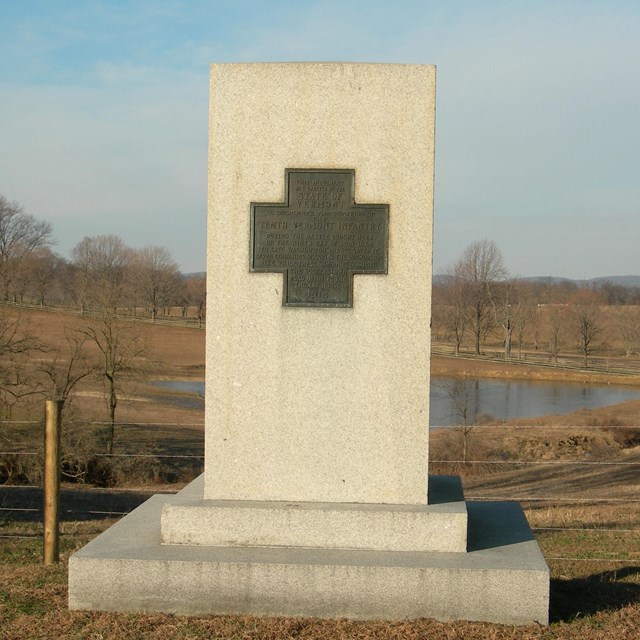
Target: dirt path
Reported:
[(466, 366)]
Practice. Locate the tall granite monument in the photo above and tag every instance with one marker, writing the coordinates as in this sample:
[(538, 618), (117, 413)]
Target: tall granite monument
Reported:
[(316, 499)]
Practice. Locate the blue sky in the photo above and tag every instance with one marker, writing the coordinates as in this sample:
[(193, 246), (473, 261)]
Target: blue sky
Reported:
[(103, 116)]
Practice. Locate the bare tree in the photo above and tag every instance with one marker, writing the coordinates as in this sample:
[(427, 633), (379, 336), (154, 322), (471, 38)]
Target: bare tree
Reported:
[(101, 271), (461, 393), (43, 267), (514, 311), (618, 294), (17, 345), (587, 324), (627, 322), (524, 314), (20, 235), (65, 369), (453, 309), (554, 321), (196, 293), (479, 268), (156, 278), (65, 288), (504, 312), (120, 350)]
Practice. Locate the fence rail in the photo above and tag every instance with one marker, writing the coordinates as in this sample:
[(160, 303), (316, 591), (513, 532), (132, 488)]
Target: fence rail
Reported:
[(173, 321), (96, 502), (598, 364)]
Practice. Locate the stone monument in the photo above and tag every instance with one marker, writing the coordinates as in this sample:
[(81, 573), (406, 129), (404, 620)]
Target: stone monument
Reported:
[(316, 499)]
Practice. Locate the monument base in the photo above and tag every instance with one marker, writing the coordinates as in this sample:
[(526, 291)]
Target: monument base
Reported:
[(439, 526), (501, 578)]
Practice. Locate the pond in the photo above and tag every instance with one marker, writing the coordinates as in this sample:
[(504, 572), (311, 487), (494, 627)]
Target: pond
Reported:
[(452, 400), (194, 387), (191, 386)]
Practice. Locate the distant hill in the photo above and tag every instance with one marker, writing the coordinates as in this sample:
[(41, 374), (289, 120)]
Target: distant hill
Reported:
[(444, 278), (621, 281), (552, 280)]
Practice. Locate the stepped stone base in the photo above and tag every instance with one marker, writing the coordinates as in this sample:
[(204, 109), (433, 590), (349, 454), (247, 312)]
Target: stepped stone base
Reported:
[(439, 526), (501, 578)]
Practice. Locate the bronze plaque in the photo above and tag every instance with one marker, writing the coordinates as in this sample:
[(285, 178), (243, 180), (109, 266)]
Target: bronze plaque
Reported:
[(319, 237)]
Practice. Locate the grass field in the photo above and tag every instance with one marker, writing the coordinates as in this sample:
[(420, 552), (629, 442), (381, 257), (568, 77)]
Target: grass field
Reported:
[(585, 518), (589, 601), (577, 477)]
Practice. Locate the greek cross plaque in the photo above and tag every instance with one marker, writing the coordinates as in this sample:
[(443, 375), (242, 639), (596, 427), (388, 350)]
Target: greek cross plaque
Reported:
[(319, 237)]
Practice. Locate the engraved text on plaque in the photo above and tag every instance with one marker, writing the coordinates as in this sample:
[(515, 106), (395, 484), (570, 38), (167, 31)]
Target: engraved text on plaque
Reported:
[(318, 238)]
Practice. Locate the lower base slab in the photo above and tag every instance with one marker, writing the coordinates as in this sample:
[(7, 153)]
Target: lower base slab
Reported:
[(502, 578)]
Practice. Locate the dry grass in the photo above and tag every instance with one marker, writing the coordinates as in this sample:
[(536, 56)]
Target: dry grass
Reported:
[(595, 588), (174, 349), (483, 368), (595, 595), (585, 605)]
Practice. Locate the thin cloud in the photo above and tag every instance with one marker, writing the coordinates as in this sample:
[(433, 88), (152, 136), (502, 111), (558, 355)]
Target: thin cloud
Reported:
[(536, 126)]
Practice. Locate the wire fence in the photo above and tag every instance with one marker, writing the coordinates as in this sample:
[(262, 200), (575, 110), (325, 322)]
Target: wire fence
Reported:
[(566, 362), (627, 496), (182, 320)]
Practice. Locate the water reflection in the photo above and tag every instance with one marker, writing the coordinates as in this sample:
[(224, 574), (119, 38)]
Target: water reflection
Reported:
[(191, 386), (455, 401)]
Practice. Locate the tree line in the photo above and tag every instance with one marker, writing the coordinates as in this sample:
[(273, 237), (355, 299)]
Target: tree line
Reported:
[(103, 273), (108, 283), (477, 301)]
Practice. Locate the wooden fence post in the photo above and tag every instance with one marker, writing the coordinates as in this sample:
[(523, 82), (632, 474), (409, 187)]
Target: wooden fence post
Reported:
[(52, 428)]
